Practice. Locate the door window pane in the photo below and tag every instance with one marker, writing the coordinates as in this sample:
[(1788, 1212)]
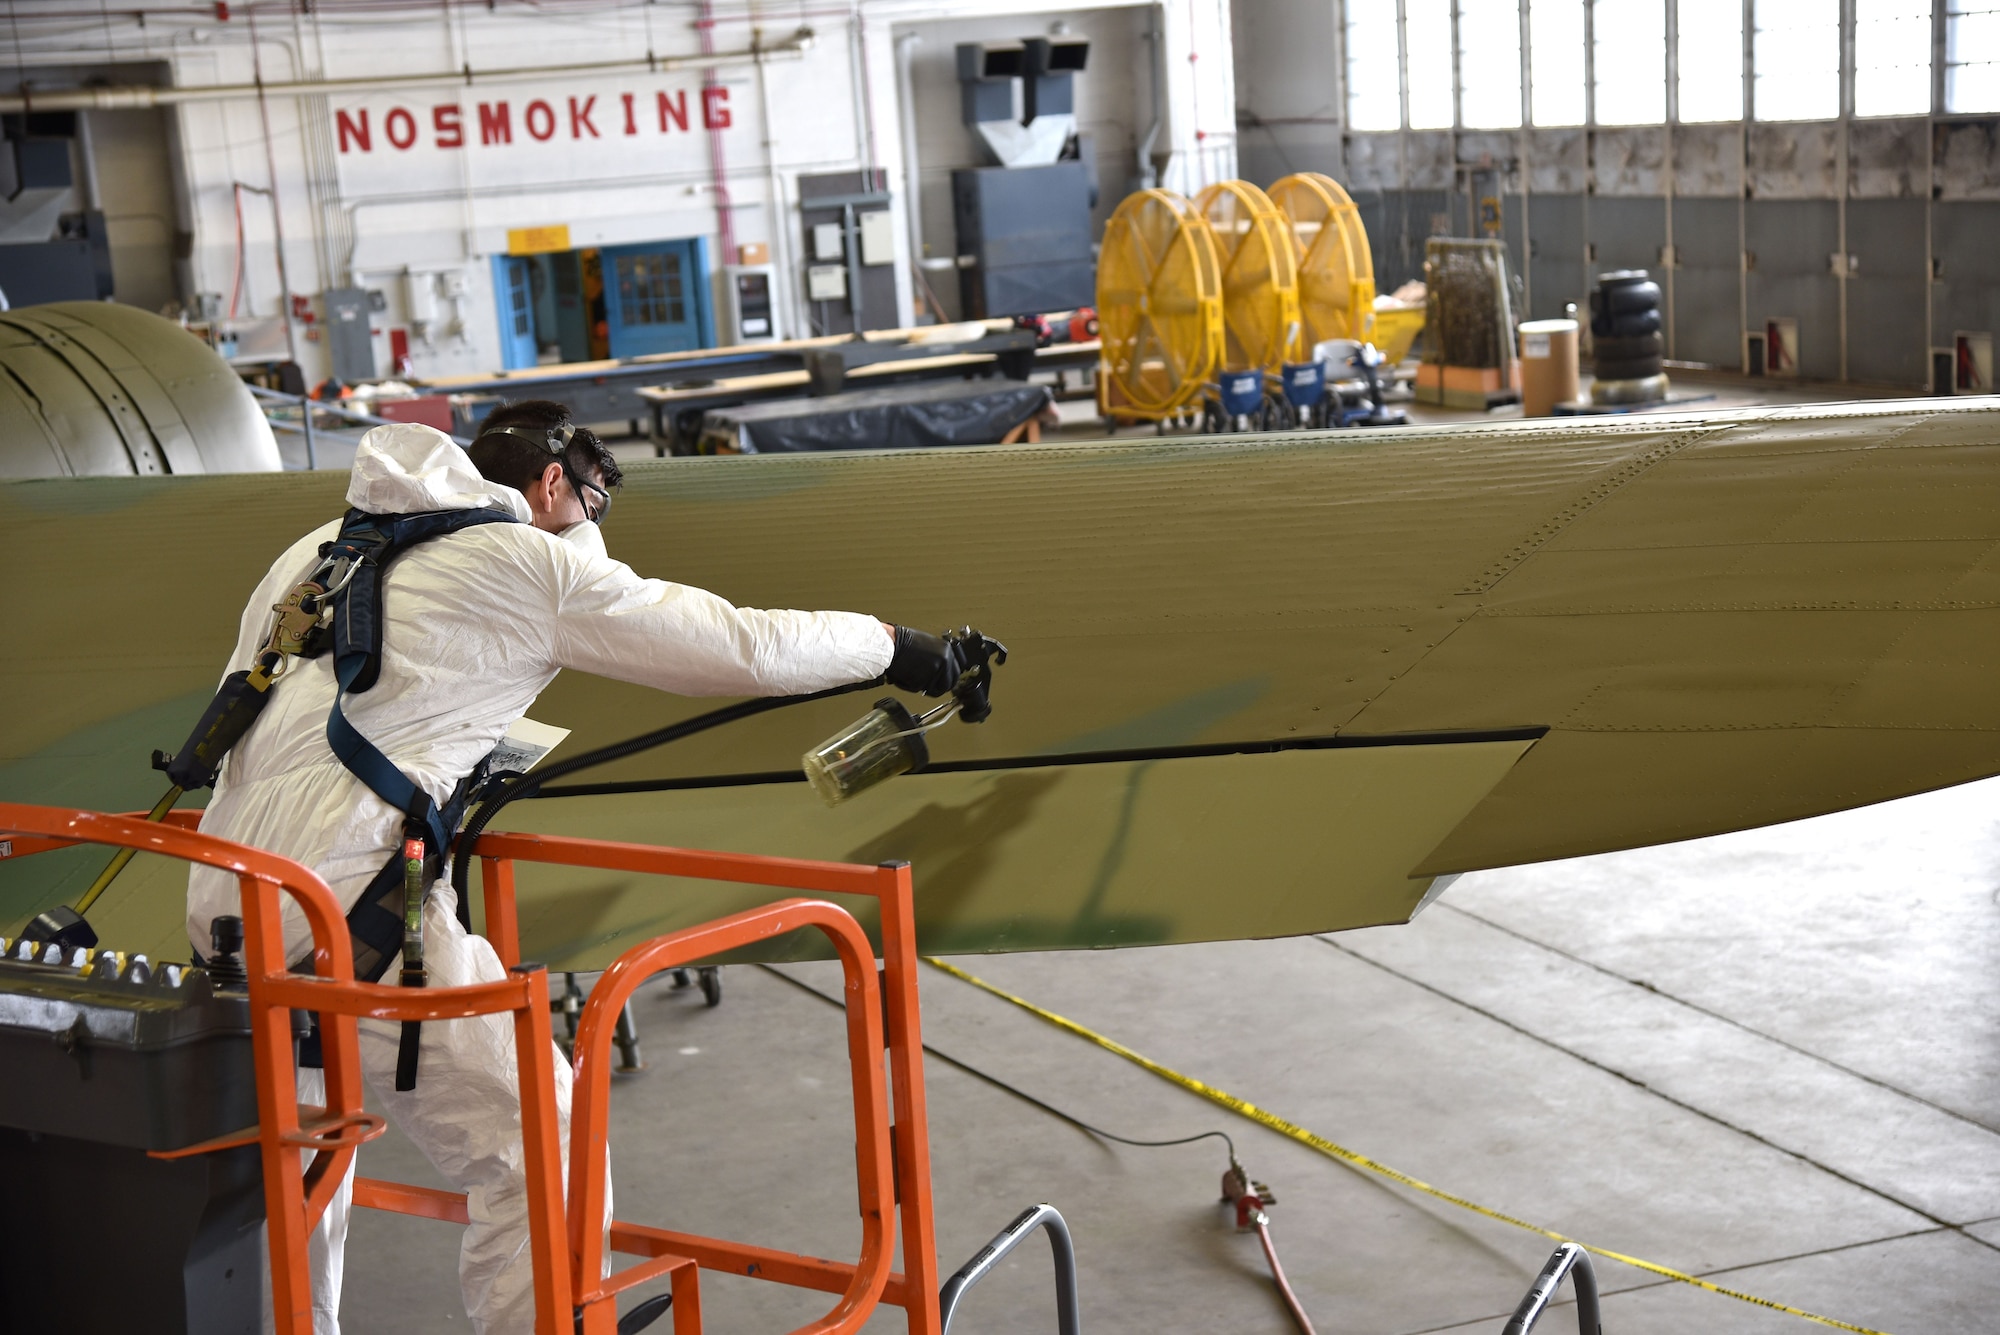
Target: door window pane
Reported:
[(1630, 61), (1797, 60), (649, 290), (1892, 57), (1374, 64), (1972, 56), (1710, 50), (1489, 63), (1555, 61), (517, 296), (1427, 33)]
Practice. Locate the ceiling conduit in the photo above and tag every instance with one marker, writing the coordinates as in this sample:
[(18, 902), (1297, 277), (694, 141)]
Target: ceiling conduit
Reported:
[(124, 96)]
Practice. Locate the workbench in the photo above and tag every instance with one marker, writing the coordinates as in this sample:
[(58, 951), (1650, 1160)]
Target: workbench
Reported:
[(677, 408), (610, 390)]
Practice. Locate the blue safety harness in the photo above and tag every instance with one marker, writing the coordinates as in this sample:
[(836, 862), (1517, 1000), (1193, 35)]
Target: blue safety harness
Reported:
[(388, 917), (357, 561), (351, 572)]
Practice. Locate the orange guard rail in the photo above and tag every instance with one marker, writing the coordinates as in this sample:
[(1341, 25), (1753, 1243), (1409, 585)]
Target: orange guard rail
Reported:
[(892, 1161)]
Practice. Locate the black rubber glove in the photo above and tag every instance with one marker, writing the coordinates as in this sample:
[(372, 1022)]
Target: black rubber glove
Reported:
[(925, 663)]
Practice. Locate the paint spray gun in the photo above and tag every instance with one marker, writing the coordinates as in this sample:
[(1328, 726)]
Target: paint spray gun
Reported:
[(889, 740)]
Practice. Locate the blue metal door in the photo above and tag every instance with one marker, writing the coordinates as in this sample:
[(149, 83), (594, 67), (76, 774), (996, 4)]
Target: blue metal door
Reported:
[(516, 303), (656, 297)]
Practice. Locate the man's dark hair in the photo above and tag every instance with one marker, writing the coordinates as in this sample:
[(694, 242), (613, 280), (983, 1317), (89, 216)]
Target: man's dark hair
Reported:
[(514, 462)]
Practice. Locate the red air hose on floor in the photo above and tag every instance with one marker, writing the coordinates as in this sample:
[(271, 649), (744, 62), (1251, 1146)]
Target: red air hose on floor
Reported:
[(1250, 1198)]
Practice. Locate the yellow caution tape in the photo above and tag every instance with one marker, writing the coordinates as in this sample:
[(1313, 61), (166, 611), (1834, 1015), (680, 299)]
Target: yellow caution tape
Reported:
[(1284, 1128)]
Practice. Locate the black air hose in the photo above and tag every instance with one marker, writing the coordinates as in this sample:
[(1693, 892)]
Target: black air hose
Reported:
[(500, 789)]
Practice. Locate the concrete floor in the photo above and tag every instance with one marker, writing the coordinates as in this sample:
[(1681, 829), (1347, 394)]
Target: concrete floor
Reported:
[(1771, 1058)]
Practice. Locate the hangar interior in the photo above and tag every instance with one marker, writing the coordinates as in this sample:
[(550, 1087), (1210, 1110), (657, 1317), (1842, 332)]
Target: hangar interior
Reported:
[(1493, 512)]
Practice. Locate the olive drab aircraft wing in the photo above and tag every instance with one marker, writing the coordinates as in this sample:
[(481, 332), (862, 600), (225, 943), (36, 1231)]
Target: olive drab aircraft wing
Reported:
[(1257, 686)]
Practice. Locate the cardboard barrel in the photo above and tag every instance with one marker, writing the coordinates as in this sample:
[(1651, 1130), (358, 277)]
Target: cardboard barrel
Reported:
[(1548, 365)]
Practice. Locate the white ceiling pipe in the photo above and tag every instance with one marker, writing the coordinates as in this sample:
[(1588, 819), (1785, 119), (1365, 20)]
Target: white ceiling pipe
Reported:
[(124, 96)]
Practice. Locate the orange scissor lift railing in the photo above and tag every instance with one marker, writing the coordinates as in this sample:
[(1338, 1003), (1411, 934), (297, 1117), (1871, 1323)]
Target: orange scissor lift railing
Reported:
[(892, 1165)]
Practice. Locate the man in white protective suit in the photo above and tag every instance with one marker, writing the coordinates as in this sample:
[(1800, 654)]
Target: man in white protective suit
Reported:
[(477, 623)]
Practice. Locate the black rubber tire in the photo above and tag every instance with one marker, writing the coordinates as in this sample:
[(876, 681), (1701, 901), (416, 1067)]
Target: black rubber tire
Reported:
[(1637, 369), (1631, 297), (1626, 324), (711, 986), (1629, 349)]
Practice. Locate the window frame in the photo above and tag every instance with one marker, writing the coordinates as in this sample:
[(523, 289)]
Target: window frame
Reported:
[(1943, 14)]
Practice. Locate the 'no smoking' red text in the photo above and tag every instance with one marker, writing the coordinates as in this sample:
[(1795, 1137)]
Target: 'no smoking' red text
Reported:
[(541, 120)]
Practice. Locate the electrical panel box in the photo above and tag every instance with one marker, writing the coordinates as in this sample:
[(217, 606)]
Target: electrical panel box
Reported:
[(1026, 232), (827, 242), (749, 305), (826, 282), (878, 237)]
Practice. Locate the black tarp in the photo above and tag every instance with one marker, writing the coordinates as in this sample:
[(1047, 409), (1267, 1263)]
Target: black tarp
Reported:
[(894, 417)]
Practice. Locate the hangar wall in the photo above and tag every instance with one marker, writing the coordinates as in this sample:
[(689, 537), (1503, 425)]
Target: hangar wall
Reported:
[(409, 190), (1741, 221)]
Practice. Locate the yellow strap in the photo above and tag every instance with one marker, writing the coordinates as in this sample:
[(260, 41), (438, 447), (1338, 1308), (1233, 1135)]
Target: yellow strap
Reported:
[(1347, 1156)]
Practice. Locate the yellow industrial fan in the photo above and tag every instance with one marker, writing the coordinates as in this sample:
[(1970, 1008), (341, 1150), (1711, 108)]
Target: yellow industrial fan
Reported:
[(1260, 287), (1159, 308), (1336, 269)]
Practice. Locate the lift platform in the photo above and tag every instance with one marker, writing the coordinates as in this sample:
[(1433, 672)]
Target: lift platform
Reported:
[(567, 1243)]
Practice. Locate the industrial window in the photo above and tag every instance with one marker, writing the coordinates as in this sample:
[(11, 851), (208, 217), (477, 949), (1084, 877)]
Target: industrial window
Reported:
[(1629, 61), (1710, 50), (1427, 36), (1374, 68), (1796, 60), (1489, 64), (1555, 61), (649, 290), (1892, 57), (1972, 56)]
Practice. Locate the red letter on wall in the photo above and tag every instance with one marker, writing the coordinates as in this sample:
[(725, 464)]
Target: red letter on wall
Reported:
[(450, 126), (631, 125), (495, 125), (548, 119), (358, 133), (678, 109), (401, 127), (715, 108), (579, 118)]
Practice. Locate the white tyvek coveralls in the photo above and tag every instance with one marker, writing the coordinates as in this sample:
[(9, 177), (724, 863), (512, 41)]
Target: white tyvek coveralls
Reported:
[(477, 624)]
